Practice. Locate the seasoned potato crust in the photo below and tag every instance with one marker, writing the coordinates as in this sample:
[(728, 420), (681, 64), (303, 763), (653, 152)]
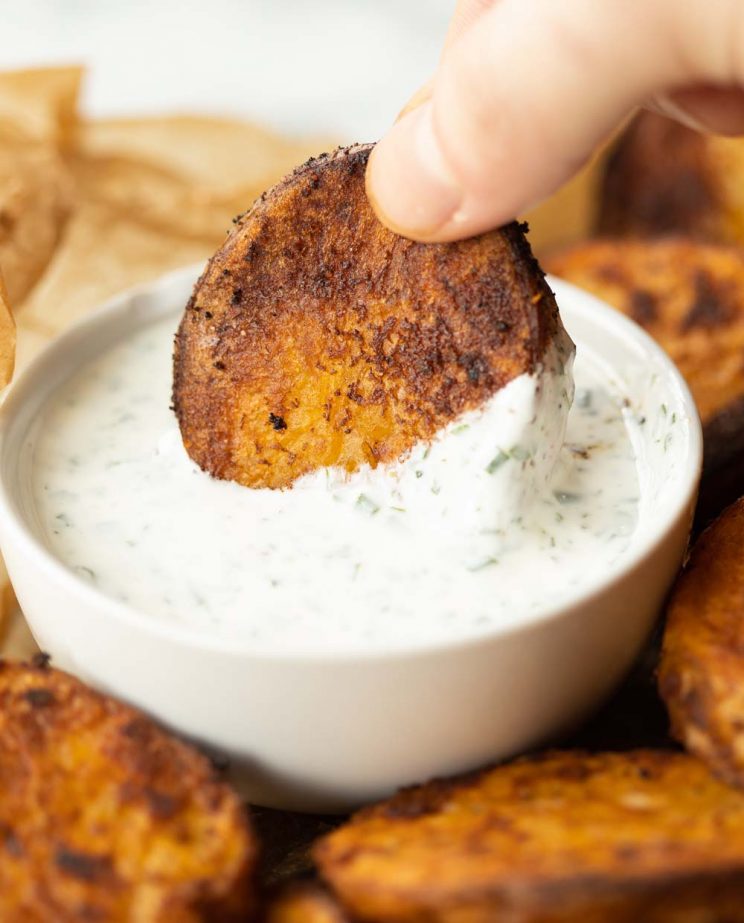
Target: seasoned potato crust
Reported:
[(690, 297), (317, 337), (106, 818), (701, 675), (638, 837)]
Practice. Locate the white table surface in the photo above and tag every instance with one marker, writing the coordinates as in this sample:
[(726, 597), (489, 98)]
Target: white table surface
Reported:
[(343, 67)]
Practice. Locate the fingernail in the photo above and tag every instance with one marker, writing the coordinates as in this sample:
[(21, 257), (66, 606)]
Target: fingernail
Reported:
[(422, 95), (409, 183), (672, 110)]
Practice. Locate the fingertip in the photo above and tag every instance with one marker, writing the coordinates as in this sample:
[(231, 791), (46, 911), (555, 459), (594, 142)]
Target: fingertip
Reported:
[(409, 183)]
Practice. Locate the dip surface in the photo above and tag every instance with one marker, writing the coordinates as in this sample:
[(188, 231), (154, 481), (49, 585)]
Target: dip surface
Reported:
[(498, 519)]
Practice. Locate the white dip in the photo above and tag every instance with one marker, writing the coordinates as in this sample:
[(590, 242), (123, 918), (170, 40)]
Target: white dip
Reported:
[(492, 522)]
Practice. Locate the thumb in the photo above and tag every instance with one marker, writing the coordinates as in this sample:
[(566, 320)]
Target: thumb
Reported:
[(523, 96)]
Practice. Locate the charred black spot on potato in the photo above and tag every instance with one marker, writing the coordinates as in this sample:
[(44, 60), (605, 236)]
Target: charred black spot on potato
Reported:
[(643, 306), (82, 865), (39, 698), (709, 307)]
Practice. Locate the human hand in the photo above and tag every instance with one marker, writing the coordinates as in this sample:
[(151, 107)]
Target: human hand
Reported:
[(526, 90)]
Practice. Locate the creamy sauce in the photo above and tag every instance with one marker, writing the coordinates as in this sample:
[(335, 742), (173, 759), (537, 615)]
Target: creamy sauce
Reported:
[(512, 509)]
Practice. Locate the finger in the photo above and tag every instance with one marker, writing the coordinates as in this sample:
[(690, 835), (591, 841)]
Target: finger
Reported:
[(467, 12), (519, 103), (422, 95)]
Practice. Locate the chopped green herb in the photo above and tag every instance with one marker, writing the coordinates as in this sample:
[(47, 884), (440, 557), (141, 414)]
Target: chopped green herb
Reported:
[(419, 474), (565, 497), (366, 504), (483, 565), (398, 509), (519, 453), (497, 461), (463, 427), (584, 398), (664, 409)]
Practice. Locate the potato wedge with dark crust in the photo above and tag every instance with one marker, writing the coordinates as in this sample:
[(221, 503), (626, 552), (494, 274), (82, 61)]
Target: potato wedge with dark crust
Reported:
[(317, 337), (689, 296), (662, 178), (565, 837), (104, 817), (701, 674), (304, 902)]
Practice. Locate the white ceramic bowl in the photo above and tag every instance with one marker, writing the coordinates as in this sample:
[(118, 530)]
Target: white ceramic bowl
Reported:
[(326, 731)]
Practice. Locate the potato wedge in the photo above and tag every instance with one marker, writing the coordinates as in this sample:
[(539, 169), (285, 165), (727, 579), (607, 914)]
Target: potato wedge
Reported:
[(701, 674), (103, 816), (689, 296), (662, 178), (317, 337), (563, 837), (304, 902)]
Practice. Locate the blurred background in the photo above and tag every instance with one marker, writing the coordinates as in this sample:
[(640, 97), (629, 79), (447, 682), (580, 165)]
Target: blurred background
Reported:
[(338, 67)]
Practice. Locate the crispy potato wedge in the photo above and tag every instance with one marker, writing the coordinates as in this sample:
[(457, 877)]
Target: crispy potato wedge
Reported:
[(662, 177), (317, 337), (103, 816), (563, 837), (689, 295), (701, 674), (305, 902)]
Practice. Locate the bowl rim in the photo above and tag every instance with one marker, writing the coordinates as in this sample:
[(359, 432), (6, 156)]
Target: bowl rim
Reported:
[(52, 569)]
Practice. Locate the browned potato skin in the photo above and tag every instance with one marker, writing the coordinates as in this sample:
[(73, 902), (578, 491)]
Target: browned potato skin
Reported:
[(689, 296), (305, 902), (104, 817), (657, 180), (317, 337), (701, 674), (663, 178), (565, 837)]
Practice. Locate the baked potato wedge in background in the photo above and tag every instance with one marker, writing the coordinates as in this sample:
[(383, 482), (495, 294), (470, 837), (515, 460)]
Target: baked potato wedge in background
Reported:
[(563, 837), (701, 674), (661, 177), (689, 296), (304, 902), (103, 816), (317, 337)]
